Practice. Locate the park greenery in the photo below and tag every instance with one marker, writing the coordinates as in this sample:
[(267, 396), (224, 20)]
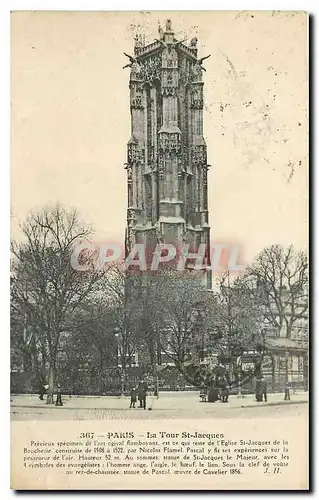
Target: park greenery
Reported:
[(95, 331)]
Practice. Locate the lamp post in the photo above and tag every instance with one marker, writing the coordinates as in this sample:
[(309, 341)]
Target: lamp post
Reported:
[(117, 336), (158, 362), (287, 392), (239, 368), (156, 393)]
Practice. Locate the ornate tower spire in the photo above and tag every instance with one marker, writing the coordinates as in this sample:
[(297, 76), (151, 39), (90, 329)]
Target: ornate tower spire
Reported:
[(166, 154)]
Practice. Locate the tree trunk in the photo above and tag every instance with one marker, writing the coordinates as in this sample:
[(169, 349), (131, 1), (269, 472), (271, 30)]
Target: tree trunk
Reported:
[(50, 395), (122, 383), (240, 394), (230, 367), (156, 382)]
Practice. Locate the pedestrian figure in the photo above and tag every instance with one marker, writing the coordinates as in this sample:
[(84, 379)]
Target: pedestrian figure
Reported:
[(258, 390), (58, 396), (287, 392), (133, 397), (212, 394), (224, 393), (203, 394), (224, 390), (142, 389), (264, 389), (41, 392)]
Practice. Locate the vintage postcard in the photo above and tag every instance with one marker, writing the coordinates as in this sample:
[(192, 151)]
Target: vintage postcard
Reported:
[(159, 250)]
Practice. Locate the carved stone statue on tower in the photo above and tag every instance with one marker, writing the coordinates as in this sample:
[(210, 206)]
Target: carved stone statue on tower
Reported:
[(160, 32), (193, 43), (168, 25), (138, 45)]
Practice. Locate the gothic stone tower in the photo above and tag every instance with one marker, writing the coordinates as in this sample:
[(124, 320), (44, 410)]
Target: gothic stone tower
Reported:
[(166, 154)]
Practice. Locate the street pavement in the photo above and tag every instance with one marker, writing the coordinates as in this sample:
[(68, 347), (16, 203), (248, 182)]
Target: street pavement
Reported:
[(170, 405)]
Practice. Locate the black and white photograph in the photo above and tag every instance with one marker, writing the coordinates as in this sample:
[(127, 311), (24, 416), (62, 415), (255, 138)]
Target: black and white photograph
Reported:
[(159, 240)]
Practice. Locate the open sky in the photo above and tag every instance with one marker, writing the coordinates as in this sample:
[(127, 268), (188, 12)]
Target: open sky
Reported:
[(71, 119)]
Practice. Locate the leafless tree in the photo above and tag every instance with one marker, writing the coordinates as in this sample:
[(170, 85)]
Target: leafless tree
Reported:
[(238, 316), (280, 275), (167, 311), (180, 311), (45, 287), (125, 295)]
